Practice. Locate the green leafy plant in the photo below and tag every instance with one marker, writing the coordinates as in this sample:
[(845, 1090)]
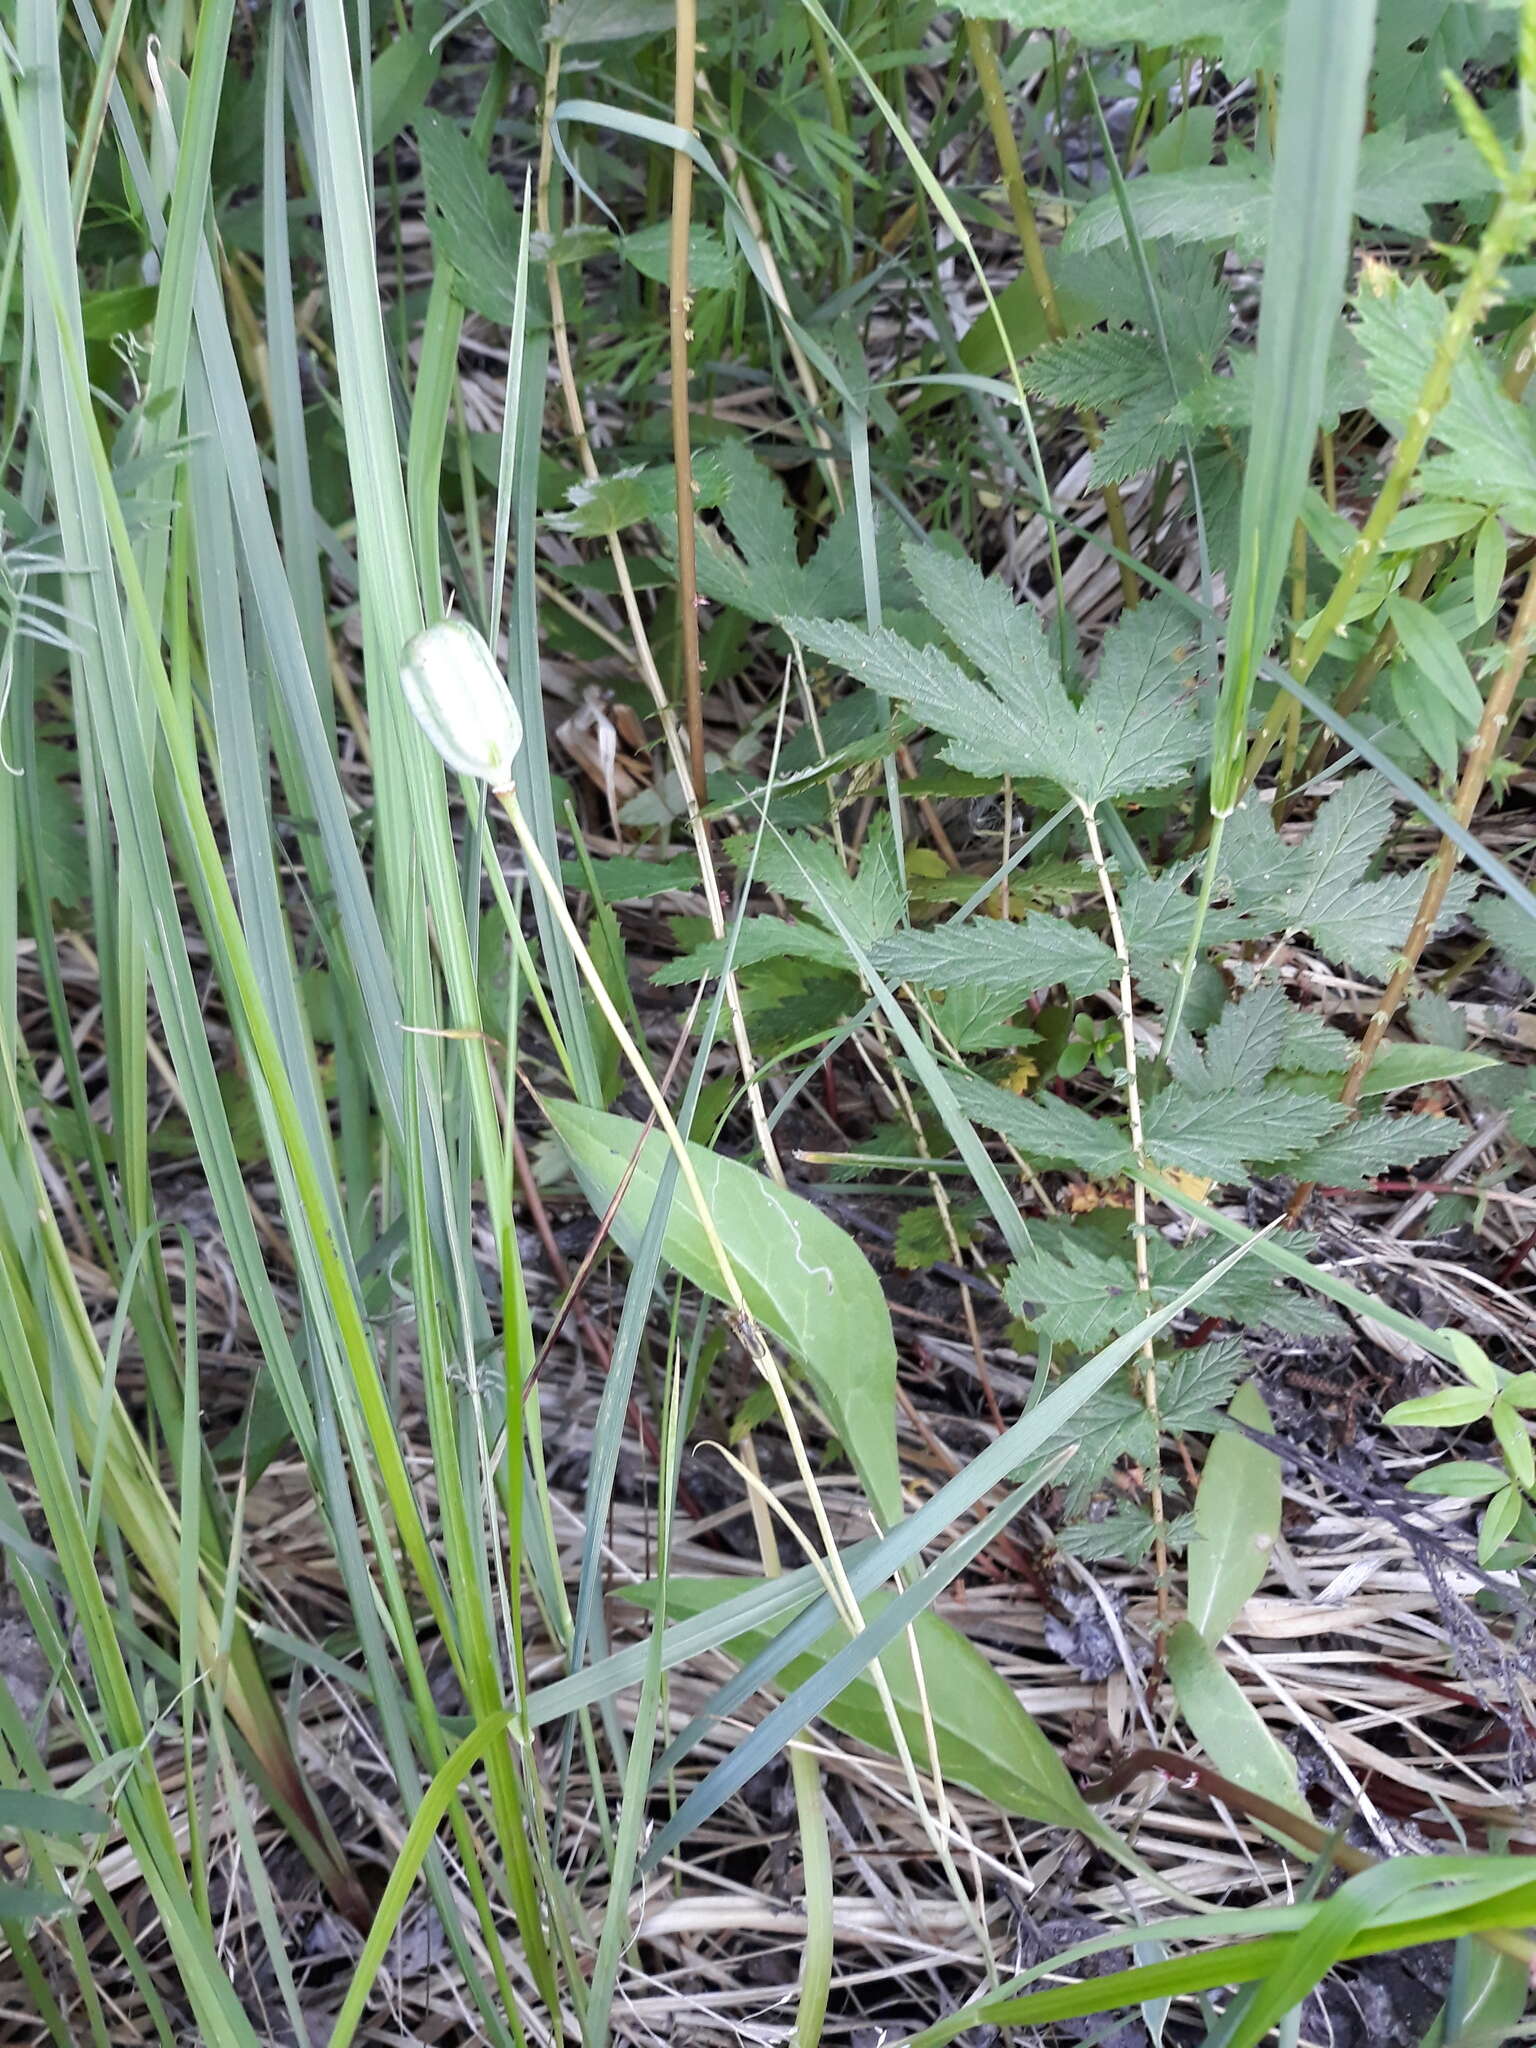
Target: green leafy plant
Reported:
[(1507, 1522)]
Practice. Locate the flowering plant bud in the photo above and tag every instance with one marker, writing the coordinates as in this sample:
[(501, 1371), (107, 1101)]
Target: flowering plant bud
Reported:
[(461, 701)]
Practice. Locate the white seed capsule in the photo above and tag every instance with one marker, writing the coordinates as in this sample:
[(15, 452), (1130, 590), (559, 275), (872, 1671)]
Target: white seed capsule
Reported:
[(461, 701)]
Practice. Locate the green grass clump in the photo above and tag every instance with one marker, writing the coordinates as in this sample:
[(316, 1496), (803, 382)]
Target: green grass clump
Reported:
[(748, 755)]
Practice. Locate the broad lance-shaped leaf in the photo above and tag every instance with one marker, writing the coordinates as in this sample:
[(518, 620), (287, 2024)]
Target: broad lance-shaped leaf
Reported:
[(804, 1279), (1135, 729), (1036, 952), (1237, 1520), (985, 1739), (1225, 1723)]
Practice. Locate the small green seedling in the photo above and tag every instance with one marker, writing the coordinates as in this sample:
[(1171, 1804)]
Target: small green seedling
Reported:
[(1507, 1533)]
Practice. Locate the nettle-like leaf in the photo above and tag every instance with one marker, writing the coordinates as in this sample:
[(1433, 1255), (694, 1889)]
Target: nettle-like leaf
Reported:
[(1082, 1297), (1369, 1145), (1019, 958), (1320, 885), (809, 872), (757, 570), (1511, 930), (1135, 729), (1220, 1134), (1155, 387), (1046, 1129), (1245, 34), (1193, 1389), (1099, 369), (1242, 1049), (1397, 181), (475, 220), (1485, 440)]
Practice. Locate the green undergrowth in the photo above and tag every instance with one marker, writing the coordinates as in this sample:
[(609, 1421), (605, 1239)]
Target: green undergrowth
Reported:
[(1032, 849)]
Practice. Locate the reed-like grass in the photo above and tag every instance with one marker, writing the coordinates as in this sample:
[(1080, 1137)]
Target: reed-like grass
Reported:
[(308, 953)]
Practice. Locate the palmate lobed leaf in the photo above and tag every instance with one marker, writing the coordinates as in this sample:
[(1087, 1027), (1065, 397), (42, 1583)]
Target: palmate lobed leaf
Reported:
[(1321, 885), (1485, 440), (1082, 1295), (1136, 727)]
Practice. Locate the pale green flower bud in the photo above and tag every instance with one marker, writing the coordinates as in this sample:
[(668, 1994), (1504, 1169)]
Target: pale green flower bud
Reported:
[(461, 701)]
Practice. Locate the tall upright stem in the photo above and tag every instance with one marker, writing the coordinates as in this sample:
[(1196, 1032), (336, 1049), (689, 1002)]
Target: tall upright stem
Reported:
[(678, 332), (1148, 1373)]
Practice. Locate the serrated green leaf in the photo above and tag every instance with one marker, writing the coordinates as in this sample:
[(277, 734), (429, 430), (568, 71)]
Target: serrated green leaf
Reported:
[(710, 267), (1136, 728), (1370, 1145), (62, 859), (1397, 180), (1242, 1048), (757, 939), (628, 878), (1193, 1389), (1081, 1296), (984, 1737), (922, 1240), (759, 573), (629, 496), (1073, 1295), (1219, 1134), (1102, 368), (1227, 204), (1145, 433), (1487, 441), (804, 1279), (1320, 886), (1237, 1521), (1157, 913), (1511, 930), (1018, 958), (1246, 33), (476, 222), (1048, 1131)]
